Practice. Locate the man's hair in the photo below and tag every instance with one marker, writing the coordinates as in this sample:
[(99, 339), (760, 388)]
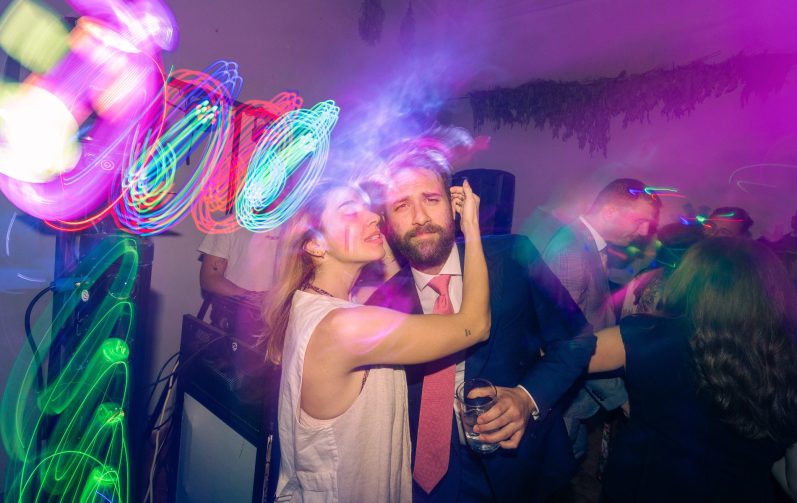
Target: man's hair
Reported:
[(422, 159), (733, 214), (624, 191)]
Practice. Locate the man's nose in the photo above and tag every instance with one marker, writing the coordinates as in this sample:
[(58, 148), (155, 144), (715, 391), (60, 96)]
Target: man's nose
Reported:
[(420, 216)]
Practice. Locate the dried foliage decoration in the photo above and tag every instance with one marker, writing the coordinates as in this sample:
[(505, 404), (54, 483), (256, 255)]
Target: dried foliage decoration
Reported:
[(585, 109), (372, 17), (407, 29)]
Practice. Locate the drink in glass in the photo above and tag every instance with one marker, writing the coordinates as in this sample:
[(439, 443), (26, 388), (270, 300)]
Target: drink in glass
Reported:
[(474, 398)]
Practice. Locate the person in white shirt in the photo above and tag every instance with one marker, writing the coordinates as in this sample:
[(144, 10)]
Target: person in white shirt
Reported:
[(238, 264)]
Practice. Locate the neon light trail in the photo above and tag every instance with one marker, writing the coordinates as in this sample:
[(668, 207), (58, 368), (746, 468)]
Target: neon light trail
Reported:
[(100, 130), (100, 91), (212, 212), (146, 206), (81, 411), (297, 136)]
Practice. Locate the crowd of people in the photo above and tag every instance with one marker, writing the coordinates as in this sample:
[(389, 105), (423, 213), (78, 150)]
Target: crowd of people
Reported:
[(377, 314)]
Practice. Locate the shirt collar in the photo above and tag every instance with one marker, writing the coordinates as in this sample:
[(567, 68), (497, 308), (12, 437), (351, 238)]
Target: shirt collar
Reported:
[(452, 267), (599, 241)]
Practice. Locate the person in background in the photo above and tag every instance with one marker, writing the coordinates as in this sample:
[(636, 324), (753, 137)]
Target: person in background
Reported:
[(786, 249), (578, 254), (728, 221), (237, 270), (788, 241), (238, 264), (785, 472), (712, 380), (644, 291)]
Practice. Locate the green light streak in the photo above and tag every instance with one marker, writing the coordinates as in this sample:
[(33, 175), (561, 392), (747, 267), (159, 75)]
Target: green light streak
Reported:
[(81, 411), (658, 190), (33, 35)]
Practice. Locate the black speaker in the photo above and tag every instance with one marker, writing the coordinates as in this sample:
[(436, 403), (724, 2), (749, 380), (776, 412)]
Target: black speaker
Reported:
[(496, 189), (78, 253), (226, 447)]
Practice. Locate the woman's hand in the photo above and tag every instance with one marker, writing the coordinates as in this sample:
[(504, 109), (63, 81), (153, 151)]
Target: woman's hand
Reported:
[(466, 203)]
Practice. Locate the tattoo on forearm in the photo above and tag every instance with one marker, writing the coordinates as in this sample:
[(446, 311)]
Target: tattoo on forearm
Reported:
[(467, 332)]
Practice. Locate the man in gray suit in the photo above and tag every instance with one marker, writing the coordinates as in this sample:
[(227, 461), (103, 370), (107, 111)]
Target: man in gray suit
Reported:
[(622, 212)]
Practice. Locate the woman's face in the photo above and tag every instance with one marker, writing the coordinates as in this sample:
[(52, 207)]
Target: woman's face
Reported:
[(350, 228)]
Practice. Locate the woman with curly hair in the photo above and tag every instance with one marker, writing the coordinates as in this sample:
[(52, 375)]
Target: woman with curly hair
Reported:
[(712, 380)]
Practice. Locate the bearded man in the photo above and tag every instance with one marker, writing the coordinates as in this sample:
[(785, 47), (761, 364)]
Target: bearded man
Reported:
[(539, 346)]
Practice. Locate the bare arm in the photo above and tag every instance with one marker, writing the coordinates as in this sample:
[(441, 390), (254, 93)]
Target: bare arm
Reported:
[(785, 472), (609, 351), (373, 335), (211, 277)]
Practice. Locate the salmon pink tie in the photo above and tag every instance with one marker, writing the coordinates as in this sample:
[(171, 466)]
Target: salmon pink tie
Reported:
[(437, 403)]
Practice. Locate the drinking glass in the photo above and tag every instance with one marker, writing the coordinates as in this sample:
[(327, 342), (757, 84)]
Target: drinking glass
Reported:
[(471, 407)]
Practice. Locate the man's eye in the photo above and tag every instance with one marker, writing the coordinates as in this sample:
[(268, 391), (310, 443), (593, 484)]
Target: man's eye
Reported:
[(433, 199), (400, 206)]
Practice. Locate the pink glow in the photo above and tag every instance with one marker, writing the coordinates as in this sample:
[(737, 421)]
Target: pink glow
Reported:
[(104, 74)]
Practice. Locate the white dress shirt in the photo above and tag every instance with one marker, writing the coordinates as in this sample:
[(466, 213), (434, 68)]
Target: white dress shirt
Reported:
[(600, 243)]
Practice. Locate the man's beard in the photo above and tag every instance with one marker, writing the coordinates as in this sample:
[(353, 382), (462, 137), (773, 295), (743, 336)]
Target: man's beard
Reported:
[(428, 253)]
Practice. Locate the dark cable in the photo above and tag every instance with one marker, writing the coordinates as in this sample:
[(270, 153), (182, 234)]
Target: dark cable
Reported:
[(29, 336), (154, 385), (184, 365)]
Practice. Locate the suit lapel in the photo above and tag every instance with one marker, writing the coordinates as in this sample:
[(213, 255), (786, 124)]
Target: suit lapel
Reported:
[(600, 276), (399, 293)]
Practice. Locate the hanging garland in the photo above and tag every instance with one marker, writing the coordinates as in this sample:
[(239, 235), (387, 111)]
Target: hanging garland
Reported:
[(372, 17), (585, 109)]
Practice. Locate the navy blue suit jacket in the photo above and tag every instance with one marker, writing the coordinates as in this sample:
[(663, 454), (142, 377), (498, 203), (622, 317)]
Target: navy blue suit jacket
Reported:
[(538, 339)]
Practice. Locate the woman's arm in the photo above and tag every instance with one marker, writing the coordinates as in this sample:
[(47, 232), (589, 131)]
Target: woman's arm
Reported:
[(374, 335), (609, 351), (785, 472)]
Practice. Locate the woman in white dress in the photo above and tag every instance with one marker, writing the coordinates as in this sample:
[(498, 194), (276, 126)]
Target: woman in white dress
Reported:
[(343, 426)]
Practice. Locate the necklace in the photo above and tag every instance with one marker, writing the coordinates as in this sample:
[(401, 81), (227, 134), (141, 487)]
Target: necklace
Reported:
[(310, 286)]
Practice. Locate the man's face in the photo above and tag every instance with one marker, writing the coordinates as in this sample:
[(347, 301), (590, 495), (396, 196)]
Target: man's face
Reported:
[(630, 222), (726, 227), (418, 218)]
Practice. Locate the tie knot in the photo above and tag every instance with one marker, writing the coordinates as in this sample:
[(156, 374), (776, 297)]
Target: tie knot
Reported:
[(440, 284)]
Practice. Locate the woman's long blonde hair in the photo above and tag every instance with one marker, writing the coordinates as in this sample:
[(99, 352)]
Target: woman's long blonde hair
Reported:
[(294, 265)]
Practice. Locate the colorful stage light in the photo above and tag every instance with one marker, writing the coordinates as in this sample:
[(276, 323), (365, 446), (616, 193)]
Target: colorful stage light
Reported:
[(298, 138), (100, 130), (213, 212), (81, 409), (106, 83), (33, 35), (149, 203)]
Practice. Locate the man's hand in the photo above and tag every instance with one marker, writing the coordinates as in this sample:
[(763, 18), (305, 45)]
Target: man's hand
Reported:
[(505, 422)]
